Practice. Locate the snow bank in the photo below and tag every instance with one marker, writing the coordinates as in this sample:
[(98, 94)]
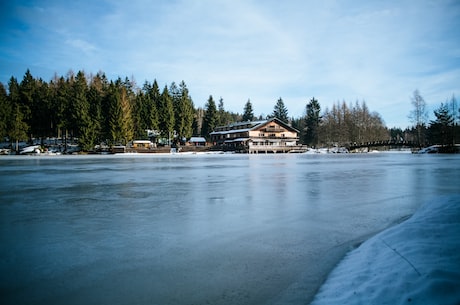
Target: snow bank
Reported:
[(415, 262)]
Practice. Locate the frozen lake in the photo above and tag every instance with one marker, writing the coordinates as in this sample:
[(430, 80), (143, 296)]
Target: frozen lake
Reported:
[(197, 229)]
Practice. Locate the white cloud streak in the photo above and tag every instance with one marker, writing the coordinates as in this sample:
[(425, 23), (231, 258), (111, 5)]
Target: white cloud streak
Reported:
[(366, 50)]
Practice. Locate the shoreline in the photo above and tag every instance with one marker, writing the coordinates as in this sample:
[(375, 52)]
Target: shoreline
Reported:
[(415, 260), (309, 284)]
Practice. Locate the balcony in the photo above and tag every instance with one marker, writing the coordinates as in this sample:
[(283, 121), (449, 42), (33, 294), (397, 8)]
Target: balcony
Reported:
[(274, 129)]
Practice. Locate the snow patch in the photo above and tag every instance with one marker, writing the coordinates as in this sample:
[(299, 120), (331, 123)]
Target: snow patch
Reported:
[(415, 262)]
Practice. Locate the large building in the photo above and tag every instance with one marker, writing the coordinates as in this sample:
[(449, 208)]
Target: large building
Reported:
[(266, 136)]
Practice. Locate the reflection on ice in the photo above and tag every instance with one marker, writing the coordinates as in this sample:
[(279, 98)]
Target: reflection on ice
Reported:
[(181, 229)]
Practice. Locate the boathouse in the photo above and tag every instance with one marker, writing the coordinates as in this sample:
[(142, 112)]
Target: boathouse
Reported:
[(264, 136)]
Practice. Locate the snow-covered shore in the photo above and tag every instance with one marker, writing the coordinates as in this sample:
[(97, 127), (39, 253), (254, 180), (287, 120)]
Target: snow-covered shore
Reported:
[(415, 262)]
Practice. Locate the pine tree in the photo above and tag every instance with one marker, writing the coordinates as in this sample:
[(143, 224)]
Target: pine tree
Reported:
[(41, 120), (210, 117), (441, 128), (221, 113), (140, 115), (5, 112), (185, 114), (176, 101), (248, 113), (312, 121), (82, 124), (280, 111), (97, 90), (166, 112), (147, 103), (155, 98), (126, 114), (26, 92), (19, 128), (60, 105), (114, 115)]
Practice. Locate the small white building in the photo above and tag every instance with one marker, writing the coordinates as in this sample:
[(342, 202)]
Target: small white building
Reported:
[(197, 141)]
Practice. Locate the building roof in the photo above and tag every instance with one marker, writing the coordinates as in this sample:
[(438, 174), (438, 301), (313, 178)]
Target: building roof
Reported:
[(197, 140), (229, 131), (238, 127)]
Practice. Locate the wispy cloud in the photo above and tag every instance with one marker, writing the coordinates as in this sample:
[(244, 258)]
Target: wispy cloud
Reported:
[(366, 50), (81, 46)]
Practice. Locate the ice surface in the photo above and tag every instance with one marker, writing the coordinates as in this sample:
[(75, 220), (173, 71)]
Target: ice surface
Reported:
[(415, 262), (197, 229)]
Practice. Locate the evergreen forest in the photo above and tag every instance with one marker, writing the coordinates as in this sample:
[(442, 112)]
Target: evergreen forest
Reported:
[(90, 109)]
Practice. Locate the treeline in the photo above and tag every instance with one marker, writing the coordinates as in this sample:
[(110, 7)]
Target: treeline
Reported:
[(94, 110), (346, 124), (443, 130), (342, 124)]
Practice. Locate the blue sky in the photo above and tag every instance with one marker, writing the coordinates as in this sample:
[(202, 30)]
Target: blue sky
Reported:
[(377, 51)]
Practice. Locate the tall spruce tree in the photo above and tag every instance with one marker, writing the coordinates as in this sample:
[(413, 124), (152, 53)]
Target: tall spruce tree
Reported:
[(41, 109), (248, 113), (185, 113), (17, 126), (166, 112), (280, 111), (155, 98), (175, 98), (312, 121), (96, 92), (224, 116), (140, 116), (114, 115), (441, 128), (210, 117), (60, 106), (126, 97), (26, 96), (5, 112), (84, 128)]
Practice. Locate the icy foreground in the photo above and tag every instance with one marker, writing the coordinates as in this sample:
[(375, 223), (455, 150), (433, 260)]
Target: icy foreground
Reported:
[(415, 262)]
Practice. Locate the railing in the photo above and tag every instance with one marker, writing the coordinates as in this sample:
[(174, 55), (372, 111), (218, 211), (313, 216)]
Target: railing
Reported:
[(380, 143), (274, 129)]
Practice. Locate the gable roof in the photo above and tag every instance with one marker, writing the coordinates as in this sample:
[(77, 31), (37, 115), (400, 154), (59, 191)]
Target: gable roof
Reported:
[(250, 125), (197, 140), (279, 122)]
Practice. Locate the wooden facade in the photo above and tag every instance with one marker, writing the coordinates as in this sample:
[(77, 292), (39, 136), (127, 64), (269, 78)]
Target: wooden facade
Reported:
[(146, 144), (266, 136)]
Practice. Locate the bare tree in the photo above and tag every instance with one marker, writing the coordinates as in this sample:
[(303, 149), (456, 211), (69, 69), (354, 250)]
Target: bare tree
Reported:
[(345, 124), (418, 115)]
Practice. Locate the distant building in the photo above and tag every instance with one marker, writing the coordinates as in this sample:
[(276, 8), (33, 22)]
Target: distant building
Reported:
[(197, 141), (118, 149), (146, 144), (265, 136)]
